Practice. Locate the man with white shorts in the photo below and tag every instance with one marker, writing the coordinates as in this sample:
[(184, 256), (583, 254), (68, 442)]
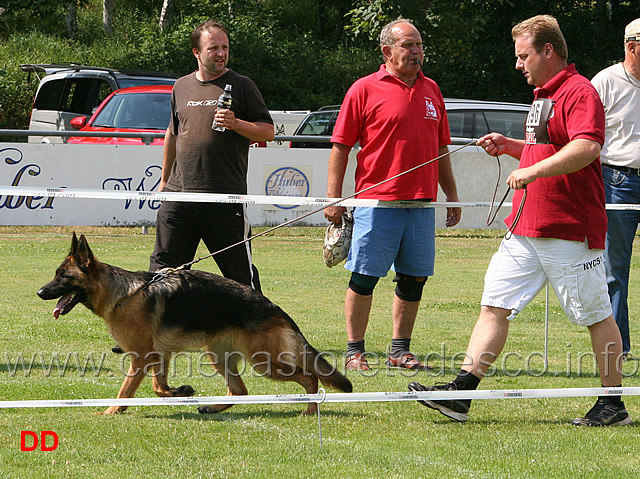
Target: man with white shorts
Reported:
[(558, 223)]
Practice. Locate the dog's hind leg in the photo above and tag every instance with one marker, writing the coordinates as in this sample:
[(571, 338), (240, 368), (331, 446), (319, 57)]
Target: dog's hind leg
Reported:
[(310, 384), (159, 378), (227, 365)]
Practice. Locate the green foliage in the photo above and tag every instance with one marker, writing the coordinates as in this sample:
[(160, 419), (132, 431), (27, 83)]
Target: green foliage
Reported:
[(304, 54), (26, 15)]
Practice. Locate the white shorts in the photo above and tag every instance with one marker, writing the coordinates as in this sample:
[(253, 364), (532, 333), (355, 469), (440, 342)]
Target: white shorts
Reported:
[(522, 266)]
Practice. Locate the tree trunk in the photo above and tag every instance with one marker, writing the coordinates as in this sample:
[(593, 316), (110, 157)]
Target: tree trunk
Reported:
[(109, 7), (72, 19), (165, 14)]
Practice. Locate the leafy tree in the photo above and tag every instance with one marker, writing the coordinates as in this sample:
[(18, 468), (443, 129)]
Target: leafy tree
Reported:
[(304, 53)]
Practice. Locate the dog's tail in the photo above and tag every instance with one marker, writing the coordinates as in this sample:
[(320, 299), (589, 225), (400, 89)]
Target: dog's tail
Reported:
[(328, 374)]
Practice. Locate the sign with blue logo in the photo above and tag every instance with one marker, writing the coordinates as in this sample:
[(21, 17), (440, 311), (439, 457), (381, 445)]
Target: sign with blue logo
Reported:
[(286, 181)]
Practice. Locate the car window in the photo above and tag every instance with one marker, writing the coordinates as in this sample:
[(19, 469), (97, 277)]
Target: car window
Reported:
[(460, 123), (136, 110), (318, 124), (508, 123), (77, 96), (456, 122), (104, 90), (49, 95)]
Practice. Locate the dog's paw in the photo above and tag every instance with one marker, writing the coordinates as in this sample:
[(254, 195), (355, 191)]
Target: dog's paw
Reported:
[(216, 408), (183, 391), (112, 410), (208, 410)]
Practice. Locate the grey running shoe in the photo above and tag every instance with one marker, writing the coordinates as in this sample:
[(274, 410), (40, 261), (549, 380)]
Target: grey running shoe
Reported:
[(456, 409), (604, 414)]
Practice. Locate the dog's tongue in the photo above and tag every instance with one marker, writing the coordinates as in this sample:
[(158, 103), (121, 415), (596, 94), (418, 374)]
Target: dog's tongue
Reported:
[(61, 302)]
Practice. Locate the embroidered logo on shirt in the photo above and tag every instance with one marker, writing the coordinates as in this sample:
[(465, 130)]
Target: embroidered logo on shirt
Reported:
[(432, 111)]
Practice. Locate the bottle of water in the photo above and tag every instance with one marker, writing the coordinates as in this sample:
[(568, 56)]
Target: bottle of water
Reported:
[(224, 101)]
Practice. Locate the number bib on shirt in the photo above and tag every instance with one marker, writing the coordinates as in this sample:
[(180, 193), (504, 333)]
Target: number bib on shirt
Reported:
[(536, 126)]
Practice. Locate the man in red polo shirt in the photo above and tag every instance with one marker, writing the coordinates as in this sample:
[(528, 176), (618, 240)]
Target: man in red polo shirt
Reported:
[(398, 117), (559, 235)]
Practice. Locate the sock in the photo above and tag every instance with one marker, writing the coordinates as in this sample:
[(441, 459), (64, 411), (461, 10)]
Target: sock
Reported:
[(613, 400), (355, 347), (466, 381), (399, 346)]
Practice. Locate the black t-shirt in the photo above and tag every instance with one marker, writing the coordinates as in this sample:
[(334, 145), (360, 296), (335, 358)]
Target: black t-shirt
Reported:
[(209, 161)]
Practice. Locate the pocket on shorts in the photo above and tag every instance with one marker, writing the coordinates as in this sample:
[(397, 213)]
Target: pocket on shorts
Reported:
[(586, 299)]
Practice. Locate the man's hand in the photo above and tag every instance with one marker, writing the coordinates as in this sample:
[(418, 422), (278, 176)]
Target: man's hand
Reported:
[(334, 213), (453, 216)]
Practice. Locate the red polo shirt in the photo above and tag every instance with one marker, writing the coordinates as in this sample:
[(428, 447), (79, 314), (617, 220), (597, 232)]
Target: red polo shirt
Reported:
[(572, 206), (398, 128)]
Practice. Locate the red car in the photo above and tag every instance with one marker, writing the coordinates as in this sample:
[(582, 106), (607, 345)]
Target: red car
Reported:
[(145, 108), (136, 109)]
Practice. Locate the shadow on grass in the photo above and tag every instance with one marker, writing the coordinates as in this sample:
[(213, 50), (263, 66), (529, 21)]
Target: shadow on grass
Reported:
[(245, 415)]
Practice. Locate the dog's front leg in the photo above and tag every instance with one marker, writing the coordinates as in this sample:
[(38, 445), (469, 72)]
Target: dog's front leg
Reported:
[(160, 383), (129, 385)]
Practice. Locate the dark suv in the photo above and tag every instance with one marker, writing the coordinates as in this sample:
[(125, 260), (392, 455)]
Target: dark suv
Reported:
[(468, 120), (69, 90)]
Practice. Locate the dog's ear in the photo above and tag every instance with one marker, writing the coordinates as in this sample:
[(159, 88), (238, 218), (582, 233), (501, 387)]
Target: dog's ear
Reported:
[(81, 251), (74, 243)]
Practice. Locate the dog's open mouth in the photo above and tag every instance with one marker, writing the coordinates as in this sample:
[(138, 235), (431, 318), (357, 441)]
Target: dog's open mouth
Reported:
[(66, 304)]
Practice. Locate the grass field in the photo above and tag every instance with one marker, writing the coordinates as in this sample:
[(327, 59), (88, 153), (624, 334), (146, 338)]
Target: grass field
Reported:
[(521, 438)]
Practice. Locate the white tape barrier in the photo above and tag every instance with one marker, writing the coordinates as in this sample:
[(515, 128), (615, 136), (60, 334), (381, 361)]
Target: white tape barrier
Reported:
[(247, 199), (218, 198), (323, 398)]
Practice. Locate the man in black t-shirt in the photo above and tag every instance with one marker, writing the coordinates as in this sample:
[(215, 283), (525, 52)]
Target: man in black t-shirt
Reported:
[(202, 160)]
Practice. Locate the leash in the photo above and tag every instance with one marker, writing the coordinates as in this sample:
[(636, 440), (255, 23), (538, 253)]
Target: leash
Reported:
[(164, 272), (161, 274), (334, 203), (490, 218)]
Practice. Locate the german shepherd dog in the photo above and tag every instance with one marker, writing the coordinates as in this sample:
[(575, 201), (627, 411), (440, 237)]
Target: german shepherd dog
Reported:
[(187, 311)]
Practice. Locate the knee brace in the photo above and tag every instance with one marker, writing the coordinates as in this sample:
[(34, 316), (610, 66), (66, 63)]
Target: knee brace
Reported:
[(409, 288), (362, 284)]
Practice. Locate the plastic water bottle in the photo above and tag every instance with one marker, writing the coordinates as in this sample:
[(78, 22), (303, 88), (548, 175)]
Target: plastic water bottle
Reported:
[(224, 101)]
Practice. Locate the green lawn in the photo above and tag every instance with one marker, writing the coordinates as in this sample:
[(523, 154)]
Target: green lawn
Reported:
[(524, 438)]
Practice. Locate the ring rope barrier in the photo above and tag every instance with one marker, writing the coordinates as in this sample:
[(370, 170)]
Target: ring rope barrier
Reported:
[(81, 193), (324, 398)]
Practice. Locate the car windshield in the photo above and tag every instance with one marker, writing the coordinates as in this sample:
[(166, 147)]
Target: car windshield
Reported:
[(136, 110), (318, 124), (127, 82)]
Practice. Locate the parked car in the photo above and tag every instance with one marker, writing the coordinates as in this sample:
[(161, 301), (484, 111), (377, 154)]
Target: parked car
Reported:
[(139, 109), (285, 123), (317, 123), (468, 120), (69, 90), (135, 109), (471, 119)]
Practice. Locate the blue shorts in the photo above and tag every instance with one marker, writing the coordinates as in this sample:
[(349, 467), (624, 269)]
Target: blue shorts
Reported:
[(401, 239)]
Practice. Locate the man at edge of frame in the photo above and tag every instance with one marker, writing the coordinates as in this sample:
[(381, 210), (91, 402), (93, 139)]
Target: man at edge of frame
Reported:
[(560, 235)]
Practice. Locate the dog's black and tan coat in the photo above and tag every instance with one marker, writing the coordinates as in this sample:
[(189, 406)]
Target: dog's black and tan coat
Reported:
[(188, 311)]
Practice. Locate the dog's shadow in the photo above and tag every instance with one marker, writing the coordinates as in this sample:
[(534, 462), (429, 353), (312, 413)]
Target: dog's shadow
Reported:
[(245, 415)]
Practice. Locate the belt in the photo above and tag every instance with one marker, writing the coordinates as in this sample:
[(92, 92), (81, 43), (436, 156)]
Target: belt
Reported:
[(625, 169)]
